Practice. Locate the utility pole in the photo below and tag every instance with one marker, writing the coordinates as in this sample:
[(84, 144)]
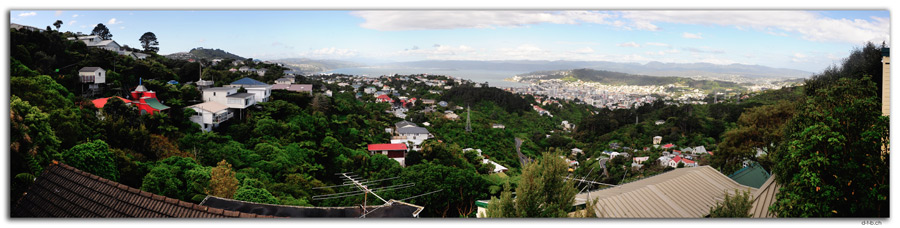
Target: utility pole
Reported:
[(468, 119)]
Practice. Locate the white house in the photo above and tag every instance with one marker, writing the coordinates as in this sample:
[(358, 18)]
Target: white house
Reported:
[(284, 81), (501, 126), (411, 133), (262, 91), (95, 75), (657, 140), (497, 167), (577, 151), (229, 96), (95, 41), (210, 114)]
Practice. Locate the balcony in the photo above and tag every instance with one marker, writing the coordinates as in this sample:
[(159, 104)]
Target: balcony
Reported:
[(222, 118)]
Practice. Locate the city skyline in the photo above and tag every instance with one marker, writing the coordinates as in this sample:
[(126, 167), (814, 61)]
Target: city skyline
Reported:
[(804, 40)]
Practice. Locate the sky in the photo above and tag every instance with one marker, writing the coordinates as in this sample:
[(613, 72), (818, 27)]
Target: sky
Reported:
[(804, 40)]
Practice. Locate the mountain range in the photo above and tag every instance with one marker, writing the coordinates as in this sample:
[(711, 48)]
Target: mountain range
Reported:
[(650, 69)]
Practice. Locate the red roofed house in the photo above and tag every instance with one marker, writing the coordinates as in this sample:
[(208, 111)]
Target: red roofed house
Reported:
[(101, 102), (396, 151), (678, 159), (384, 98), (667, 146), (146, 101)]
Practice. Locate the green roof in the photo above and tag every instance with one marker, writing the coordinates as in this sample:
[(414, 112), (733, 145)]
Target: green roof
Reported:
[(753, 175), (154, 103)]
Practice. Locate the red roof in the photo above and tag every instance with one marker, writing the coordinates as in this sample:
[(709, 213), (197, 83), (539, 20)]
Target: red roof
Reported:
[(677, 159), (667, 146), (395, 146), (99, 103), (687, 161)]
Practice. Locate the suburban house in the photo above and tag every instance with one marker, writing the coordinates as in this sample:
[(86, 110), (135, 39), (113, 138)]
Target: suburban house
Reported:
[(450, 115), (576, 151), (410, 132), (210, 114), (396, 151), (369, 90), (95, 41), (300, 88), (26, 27), (93, 77), (428, 101), (262, 91), (146, 101), (101, 102), (673, 162), (229, 97), (384, 99), (657, 140), (284, 80), (500, 126)]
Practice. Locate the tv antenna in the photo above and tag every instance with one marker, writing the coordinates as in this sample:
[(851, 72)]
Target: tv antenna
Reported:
[(365, 187)]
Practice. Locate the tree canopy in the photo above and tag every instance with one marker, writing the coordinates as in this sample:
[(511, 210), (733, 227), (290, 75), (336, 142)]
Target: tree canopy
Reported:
[(102, 31), (149, 42)]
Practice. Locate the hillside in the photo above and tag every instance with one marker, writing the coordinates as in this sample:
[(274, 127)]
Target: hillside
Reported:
[(618, 78), (651, 68), (315, 65), (204, 53)]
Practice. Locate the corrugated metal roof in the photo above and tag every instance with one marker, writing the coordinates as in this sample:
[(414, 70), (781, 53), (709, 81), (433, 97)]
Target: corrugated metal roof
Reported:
[(89, 69), (392, 146), (412, 130), (680, 193), (763, 198)]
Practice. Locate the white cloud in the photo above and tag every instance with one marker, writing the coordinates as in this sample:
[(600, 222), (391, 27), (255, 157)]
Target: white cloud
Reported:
[(74, 15), (657, 44), (691, 35), (113, 21), (629, 44), (808, 25), (201, 41), (331, 52), (58, 13), (585, 50), (72, 22), (424, 20), (28, 14), (798, 57), (704, 50)]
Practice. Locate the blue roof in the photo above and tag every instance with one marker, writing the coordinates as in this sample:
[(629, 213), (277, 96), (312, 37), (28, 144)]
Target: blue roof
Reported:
[(247, 81), (173, 82)]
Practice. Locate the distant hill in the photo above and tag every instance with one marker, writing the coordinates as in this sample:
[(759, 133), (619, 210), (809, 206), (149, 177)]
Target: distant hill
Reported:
[(204, 53), (618, 78), (315, 65), (650, 69)]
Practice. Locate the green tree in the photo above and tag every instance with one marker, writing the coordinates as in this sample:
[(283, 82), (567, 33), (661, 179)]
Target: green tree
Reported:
[(149, 42), (57, 24), (102, 31), (759, 127), (543, 191), (833, 161), (93, 157), (253, 194), (735, 205)]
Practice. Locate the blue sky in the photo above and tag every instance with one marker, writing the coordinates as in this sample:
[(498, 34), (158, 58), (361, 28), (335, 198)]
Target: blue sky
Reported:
[(805, 40)]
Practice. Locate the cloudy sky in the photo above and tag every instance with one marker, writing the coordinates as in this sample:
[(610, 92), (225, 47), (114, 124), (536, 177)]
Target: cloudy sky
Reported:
[(805, 40)]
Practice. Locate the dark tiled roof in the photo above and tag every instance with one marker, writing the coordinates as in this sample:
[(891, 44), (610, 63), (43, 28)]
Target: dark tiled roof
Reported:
[(64, 191), (395, 209), (241, 95)]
